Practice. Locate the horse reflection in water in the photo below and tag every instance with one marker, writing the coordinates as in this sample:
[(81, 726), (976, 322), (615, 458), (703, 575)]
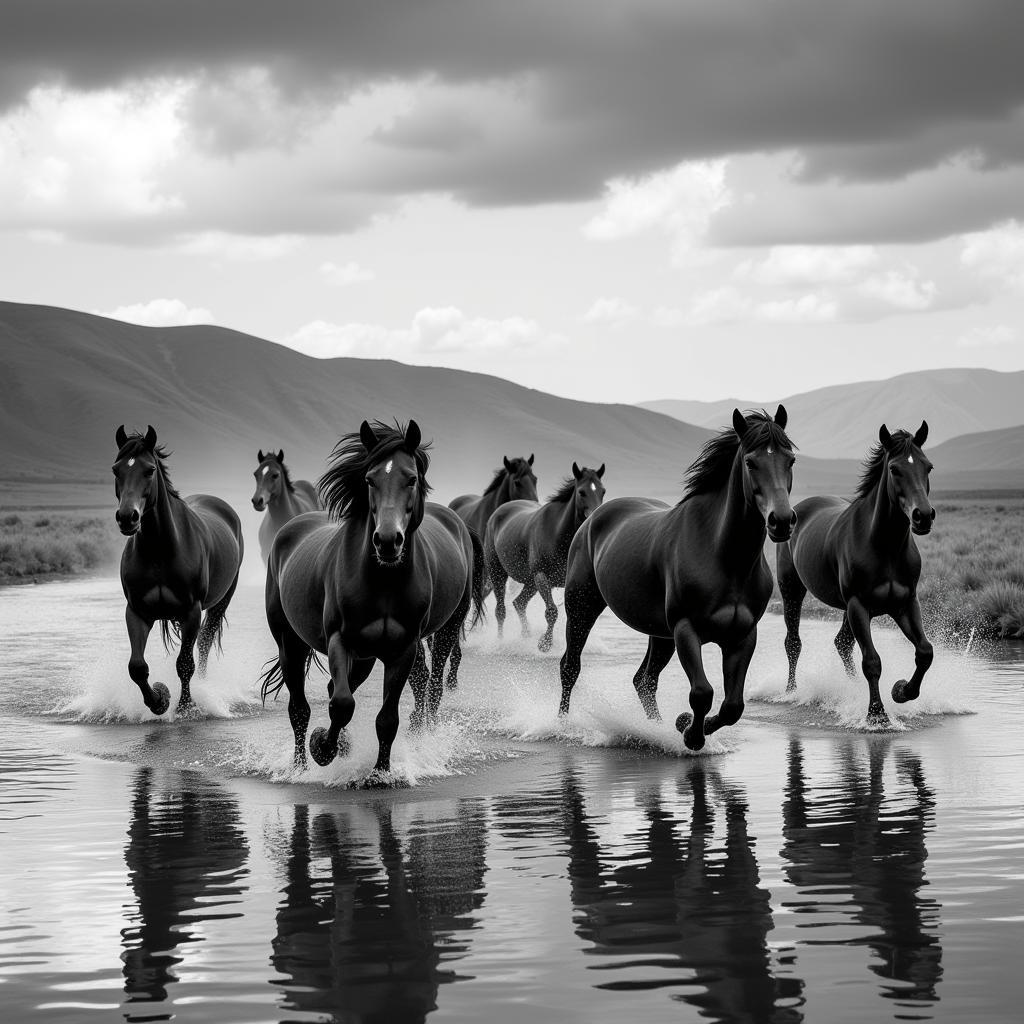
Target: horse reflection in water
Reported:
[(186, 856), (370, 937), (692, 914), (849, 837)]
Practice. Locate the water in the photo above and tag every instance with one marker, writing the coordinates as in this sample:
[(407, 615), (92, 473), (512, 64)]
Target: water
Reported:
[(801, 869)]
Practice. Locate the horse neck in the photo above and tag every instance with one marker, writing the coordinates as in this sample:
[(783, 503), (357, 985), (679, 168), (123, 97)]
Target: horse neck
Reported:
[(567, 521), (162, 522), (740, 530), (888, 526), (283, 506)]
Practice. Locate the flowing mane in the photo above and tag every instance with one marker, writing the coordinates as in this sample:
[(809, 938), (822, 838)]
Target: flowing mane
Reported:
[(565, 491), (709, 472), (343, 488), (873, 465), (136, 445)]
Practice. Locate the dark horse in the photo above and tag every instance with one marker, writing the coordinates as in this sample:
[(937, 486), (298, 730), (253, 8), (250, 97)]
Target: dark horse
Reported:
[(691, 574), (366, 580), (515, 481), (182, 557), (860, 556), (282, 498), (530, 543)]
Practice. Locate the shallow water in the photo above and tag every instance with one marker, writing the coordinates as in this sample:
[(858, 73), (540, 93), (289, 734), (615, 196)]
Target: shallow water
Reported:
[(801, 868)]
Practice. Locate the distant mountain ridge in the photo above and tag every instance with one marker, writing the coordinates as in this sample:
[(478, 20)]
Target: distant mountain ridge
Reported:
[(837, 421)]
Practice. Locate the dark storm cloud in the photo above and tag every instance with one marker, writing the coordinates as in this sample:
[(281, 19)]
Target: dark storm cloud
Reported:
[(875, 88)]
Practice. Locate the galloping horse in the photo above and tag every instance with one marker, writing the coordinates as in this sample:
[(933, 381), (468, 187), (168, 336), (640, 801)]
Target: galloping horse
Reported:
[(860, 556), (366, 580), (182, 557), (530, 543), (691, 574), (282, 499), (515, 481)]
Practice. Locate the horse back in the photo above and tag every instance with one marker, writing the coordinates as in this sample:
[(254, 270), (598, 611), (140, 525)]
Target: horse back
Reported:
[(220, 533), (306, 495), (299, 559), (820, 537)]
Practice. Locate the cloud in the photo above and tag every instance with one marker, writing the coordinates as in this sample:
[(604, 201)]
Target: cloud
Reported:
[(987, 337), (160, 313), (346, 274), (222, 245), (433, 332), (728, 305), (610, 311), (901, 289), (997, 255), (803, 265)]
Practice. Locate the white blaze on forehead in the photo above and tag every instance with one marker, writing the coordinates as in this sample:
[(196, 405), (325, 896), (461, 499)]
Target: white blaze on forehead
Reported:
[(770, 450), (910, 458), (387, 468), (266, 470), (593, 487), (131, 462)]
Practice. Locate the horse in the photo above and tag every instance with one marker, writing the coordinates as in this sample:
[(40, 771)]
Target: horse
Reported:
[(860, 556), (530, 543), (363, 581), (514, 481), (182, 558), (282, 499), (691, 574)]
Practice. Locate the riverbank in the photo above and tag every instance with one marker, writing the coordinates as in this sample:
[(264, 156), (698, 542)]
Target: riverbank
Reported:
[(39, 546)]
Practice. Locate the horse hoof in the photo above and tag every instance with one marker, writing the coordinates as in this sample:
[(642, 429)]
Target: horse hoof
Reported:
[(683, 721), (161, 699), (544, 644), (900, 692), (878, 720), (322, 752)]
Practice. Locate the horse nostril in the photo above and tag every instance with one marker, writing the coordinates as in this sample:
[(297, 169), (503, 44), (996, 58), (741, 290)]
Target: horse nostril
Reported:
[(399, 539), (771, 520), (792, 519), (376, 539), (933, 515)]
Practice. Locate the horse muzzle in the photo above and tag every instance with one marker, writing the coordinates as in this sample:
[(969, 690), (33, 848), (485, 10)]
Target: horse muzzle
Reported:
[(921, 522), (780, 529), (389, 550), (129, 523), (259, 504)]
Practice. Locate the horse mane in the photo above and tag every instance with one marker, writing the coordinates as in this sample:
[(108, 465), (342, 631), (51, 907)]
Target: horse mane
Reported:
[(136, 445), (501, 474), (874, 463), (565, 491), (343, 489), (710, 471), (289, 486)]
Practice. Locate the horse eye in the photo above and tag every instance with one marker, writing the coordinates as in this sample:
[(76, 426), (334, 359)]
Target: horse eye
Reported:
[(149, 472)]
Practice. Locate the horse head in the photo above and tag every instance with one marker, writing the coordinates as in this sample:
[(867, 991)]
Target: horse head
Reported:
[(135, 478), (270, 480), (396, 491), (522, 483), (907, 469), (589, 492), (767, 462)]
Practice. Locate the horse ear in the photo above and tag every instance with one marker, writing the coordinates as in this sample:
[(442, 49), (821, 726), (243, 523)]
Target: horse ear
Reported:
[(508, 465), (120, 437), (884, 436), (260, 456), (600, 472), (576, 471), (529, 461), (739, 423), (922, 434), (280, 456), (413, 436), (781, 416), (367, 436), (150, 438)]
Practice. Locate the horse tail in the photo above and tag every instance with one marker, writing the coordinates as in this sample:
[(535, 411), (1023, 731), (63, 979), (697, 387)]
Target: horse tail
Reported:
[(169, 628), (272, 678), (478, 579)]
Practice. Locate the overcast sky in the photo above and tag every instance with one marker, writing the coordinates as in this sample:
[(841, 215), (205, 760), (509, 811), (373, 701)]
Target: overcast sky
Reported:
[(615, 200)]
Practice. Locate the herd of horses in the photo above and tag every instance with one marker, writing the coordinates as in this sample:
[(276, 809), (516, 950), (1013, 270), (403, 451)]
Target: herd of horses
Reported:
[(364, 568)]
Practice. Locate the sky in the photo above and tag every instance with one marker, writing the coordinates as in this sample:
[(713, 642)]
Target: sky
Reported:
[(614, 201)]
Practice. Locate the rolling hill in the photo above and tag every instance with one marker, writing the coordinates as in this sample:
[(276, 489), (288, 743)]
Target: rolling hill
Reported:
[(841, 421)]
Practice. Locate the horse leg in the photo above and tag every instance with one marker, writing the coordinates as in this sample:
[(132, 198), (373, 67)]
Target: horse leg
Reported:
[(186, 661), (156, 696), (292, 655), (844, 645), (793, 592), (583, 605), (213, 626), (735, 663), (659, 654), (522, 599), (454, 661), (323, 743), (688, 649), (871, 663), (445, 640), (395, 676), (418, 678), (909, 620), (498, 578), (550, 611)]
